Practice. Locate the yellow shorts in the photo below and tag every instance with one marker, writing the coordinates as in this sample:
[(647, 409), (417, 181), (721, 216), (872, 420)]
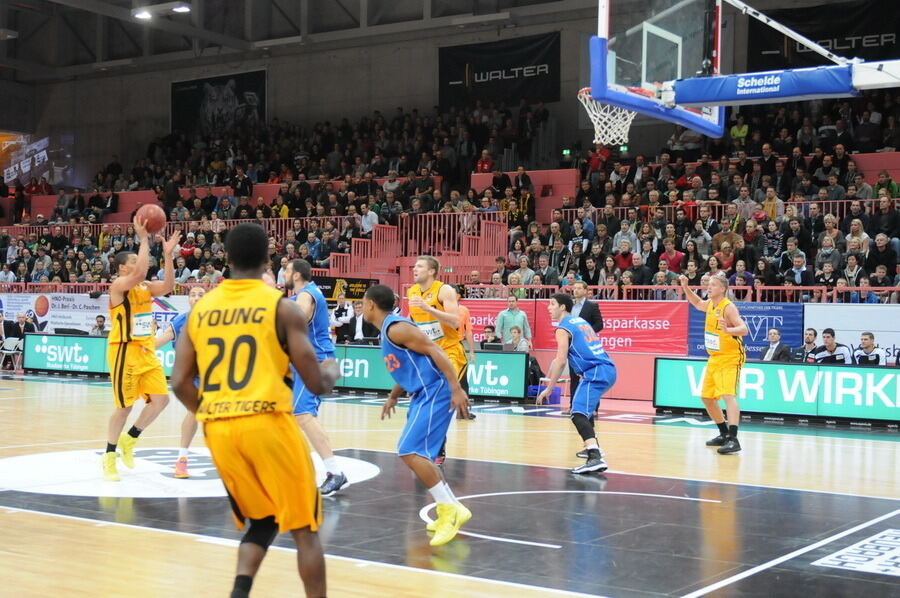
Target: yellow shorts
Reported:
[(266, 468), (457, 356), (135, 373), (721, 378)]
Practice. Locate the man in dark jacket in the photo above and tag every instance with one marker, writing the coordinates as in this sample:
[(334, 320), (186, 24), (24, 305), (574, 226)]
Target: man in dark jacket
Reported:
[(777, 350)]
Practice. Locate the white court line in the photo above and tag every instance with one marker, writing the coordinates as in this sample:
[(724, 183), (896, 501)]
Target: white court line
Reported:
[(663, 477), (101, 440), (227, 542), (767, 565)]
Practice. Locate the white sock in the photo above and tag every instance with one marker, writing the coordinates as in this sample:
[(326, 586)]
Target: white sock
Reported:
[(182, 453), (450, 492), (441, 493), (331, 465)]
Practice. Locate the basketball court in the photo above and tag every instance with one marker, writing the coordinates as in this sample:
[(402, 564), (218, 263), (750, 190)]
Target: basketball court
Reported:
[(670, 517)]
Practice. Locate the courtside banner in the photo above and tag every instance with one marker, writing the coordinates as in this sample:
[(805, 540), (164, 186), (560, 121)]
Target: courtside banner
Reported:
[(849, 321), (786, 317), (852, 392), (659, 327)]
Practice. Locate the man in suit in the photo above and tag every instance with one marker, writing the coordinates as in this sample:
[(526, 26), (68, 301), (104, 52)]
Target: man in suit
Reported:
[(589, 311), (549, 275), (359, 328), (19, 327), (776, 351), (9, 327)]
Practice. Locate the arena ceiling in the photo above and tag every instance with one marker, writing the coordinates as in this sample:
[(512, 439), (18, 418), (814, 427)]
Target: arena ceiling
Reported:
[(63, 39)]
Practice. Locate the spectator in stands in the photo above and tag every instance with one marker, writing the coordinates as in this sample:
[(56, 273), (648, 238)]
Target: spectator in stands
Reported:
[(485, 162), (882, 255), (881, 279), (863, 295), (639, 273), (886, 220), (741, 275), (830, 351), (549, 275), (856, 230), (826, 277), (852, 271), (798, 274), (885, 182)]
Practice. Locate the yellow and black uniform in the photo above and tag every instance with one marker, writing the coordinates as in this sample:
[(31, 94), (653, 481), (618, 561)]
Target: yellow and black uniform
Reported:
[(134, 369), (447, 338), (726, 354), (245, 406)]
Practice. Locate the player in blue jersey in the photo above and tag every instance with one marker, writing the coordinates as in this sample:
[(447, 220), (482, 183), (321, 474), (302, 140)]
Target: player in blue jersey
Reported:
[(579, 345), (422, 369), (189, 424), (298, 278)]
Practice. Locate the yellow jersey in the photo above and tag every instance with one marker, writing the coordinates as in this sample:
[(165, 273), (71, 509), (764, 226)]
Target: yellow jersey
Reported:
[(243, 368), (445, 336), (132, 320), (720, 344)]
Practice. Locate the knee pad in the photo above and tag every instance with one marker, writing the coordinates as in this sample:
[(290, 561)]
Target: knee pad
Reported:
[(583, 425), (261, 532)]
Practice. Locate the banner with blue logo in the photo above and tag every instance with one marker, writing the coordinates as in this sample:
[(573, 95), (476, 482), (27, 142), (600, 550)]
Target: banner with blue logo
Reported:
[(756, 88), (786, 317)]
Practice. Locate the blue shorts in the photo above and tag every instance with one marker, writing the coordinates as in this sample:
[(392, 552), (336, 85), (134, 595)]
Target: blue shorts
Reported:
[(304, 400), (594, 383), (427, 422)]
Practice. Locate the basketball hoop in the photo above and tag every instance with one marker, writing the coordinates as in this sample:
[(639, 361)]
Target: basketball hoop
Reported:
[(611, 123)]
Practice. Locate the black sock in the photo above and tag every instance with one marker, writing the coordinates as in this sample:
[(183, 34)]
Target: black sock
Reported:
[(242, 585), (593, 453), (110, 448), (723, 428), (732, 431), (134, 432)]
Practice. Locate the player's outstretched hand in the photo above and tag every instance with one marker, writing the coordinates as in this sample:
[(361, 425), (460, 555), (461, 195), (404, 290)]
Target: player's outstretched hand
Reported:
[(542, 396), (683, 280), (459, 401), (388, 409), (169, 246), (140, 227)]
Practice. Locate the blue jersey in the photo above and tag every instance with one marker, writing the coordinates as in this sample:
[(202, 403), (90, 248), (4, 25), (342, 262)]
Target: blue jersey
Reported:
[(413, 371), (178, 324), (319, 326), (585, 349)]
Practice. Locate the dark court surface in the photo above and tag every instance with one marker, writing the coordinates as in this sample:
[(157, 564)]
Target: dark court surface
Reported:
[(611, 535)]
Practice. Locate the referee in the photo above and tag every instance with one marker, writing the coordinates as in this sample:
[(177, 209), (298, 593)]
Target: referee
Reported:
[(868, 353)]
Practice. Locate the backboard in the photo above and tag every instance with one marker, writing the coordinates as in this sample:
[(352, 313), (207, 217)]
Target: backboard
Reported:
[(640, 45)]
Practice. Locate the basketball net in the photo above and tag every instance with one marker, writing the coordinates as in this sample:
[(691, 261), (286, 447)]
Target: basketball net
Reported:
[(611, 123)]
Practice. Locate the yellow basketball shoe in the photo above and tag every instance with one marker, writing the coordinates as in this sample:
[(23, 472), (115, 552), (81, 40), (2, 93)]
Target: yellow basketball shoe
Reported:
[(450, 517), (126, 443), (465, 514), (110, 473)]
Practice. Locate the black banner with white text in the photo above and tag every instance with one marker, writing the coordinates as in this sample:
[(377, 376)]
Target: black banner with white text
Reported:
[(507, 71), (866, 29)]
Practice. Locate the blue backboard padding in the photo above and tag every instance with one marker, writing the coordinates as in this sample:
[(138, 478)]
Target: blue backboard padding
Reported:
[(748, 88)]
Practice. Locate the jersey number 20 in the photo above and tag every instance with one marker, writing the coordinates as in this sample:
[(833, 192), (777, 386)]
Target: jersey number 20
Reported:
[(221, 348)]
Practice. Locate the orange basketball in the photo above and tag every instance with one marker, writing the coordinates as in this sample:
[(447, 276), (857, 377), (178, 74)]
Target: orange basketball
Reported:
[(155, 217), (41, 306)]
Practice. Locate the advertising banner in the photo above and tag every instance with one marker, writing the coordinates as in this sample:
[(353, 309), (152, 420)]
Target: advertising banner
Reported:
[(494, 375), (503, 71), (219, 105), (77, 354), (864, 29), (786, 317), (23, 157), (766, 86), (351, 288), (862, 393), (63, 312), (849, 321), (659, 327)]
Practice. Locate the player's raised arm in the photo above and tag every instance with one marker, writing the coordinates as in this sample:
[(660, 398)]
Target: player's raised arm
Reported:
[(407, 335), (690, 295), (291, 325), (125, 282), (158, 288)]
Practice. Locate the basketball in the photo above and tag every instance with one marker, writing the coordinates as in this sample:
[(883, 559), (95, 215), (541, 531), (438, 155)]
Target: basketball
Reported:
[(41, 306), (155, 217)]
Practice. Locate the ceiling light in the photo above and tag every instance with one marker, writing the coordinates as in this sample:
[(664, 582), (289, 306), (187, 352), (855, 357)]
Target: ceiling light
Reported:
[(182, 8), (142, 14)]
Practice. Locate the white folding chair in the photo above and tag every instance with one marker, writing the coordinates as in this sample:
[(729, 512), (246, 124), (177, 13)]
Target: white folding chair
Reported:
[(10, 348)]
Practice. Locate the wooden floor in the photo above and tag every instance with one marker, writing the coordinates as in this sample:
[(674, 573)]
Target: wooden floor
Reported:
[(49, 554)]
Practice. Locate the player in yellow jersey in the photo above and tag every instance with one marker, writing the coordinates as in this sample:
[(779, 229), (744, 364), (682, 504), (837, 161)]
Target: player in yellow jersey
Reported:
[(134, 369), (723, 335), (240, 340)]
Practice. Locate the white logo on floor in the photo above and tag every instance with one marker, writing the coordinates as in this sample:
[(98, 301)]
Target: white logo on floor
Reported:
[(79, 473), (876, 554)]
